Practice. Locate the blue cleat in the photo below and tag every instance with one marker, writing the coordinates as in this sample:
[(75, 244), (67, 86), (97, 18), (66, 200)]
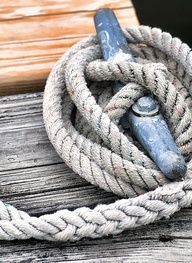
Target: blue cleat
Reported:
[(144, 119)]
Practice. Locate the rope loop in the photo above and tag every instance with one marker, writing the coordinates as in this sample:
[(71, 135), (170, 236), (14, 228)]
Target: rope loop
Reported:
[(94, 144), (81, 117)]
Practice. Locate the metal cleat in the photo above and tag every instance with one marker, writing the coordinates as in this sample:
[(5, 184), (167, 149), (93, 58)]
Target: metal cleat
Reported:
[(144, 118)]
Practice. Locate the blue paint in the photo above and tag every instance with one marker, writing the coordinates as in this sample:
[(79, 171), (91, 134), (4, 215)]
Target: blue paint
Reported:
[(144, 119), (111, 37), (149, 127)]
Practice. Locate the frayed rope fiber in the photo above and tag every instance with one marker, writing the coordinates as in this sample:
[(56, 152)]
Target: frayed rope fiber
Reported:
[(82, 121)]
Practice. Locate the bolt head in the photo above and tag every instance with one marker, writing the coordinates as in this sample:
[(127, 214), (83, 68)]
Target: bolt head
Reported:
[(146, 106)]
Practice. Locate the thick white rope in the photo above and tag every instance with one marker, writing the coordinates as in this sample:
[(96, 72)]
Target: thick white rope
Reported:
[(82, 121)]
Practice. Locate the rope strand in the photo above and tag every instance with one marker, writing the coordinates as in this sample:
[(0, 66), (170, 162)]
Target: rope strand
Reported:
[(95, 146)]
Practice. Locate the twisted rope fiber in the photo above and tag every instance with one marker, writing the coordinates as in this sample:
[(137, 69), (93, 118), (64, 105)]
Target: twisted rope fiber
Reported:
[(95, 146)]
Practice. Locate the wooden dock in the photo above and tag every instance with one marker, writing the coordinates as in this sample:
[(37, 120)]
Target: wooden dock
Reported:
[(33, 35)]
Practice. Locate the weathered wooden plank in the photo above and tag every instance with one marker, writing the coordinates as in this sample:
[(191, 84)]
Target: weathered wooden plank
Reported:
[(56, 26), (27, 56), (42, 28), (25, 67), (32, 175), (46, 189), (21, 128), (10, 9), (38, 181), (157, 243)]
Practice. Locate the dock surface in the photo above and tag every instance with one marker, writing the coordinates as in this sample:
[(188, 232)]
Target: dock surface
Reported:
[(33, 35)]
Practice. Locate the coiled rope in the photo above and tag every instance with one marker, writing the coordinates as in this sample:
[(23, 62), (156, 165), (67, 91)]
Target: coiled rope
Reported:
[(82, 121)]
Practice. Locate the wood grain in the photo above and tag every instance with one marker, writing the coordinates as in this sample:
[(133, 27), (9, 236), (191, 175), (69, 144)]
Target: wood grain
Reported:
[(24, 67), (30, 43), (55, 26), (31, 172), (35, 179), (11, 9)]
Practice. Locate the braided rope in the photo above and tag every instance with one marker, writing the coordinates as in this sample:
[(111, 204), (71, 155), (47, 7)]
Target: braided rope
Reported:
[(94, 145)]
